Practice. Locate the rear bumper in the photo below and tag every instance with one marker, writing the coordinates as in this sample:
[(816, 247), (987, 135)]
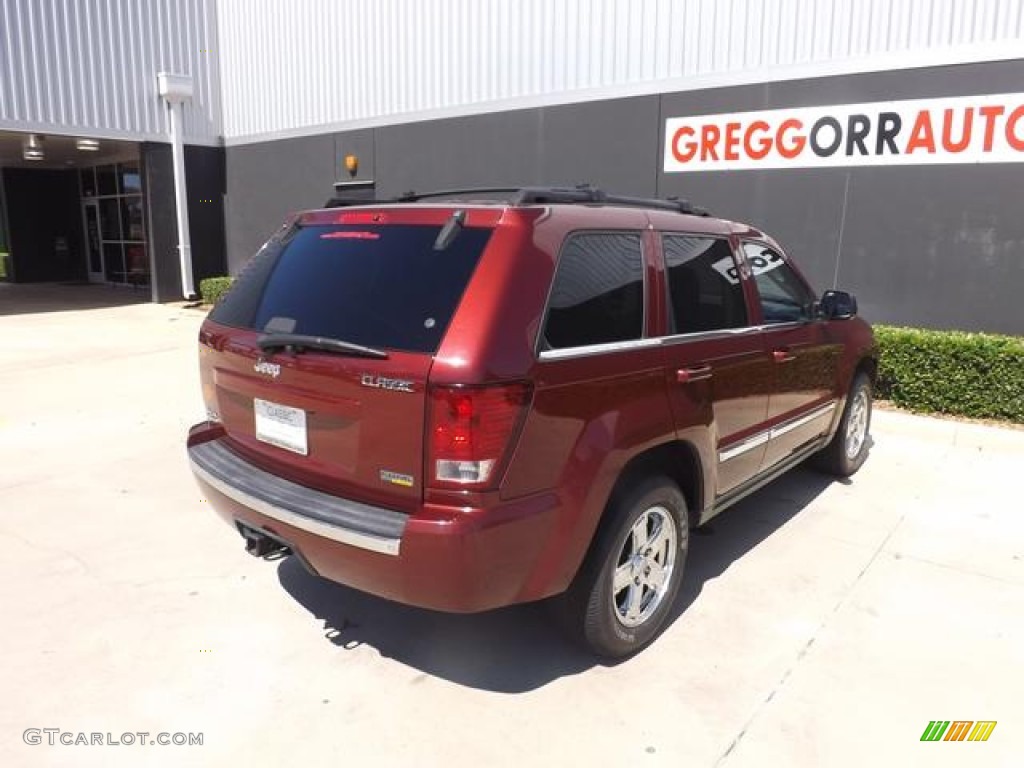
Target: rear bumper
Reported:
[(460, 560)]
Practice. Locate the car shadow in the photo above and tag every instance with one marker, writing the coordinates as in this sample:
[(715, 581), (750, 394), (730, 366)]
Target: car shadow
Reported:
[(517, 649)]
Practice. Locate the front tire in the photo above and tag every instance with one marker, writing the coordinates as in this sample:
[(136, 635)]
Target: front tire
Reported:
[(625, 591), (849, 447)]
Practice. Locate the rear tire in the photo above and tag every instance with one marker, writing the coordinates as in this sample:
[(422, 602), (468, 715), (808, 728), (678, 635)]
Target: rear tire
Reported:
[(628, 584), (849, 447)]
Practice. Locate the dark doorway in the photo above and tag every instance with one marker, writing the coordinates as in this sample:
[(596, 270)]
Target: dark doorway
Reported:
[(44, 221)]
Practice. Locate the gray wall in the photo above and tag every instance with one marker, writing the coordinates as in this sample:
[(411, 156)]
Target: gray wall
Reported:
[(932, 246), (205, 185)]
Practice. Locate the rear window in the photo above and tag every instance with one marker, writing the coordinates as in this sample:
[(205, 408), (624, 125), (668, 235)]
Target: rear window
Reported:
[(380, 286)]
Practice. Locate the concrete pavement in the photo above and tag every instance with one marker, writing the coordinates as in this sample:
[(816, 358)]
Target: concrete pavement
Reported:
[(821, 623)]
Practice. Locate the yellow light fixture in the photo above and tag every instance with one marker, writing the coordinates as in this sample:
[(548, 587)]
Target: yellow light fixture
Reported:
[(351, 164)]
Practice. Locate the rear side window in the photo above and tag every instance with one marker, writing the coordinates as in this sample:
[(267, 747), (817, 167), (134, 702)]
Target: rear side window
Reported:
[(704, 288), (380, 286), (598, 294)]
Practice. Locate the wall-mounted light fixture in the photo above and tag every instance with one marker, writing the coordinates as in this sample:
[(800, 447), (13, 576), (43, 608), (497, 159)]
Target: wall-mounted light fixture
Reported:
[(351, 164), (87, 145), (32, 147)]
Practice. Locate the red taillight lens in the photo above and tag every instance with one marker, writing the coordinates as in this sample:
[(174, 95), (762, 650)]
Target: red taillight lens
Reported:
[(470, 432)]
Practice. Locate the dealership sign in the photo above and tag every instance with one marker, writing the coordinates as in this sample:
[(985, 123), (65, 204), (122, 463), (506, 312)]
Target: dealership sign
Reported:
[(973, 129)]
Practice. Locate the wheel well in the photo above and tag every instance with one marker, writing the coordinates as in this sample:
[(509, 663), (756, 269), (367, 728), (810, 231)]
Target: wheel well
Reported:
[(869, 365), (678, 461)]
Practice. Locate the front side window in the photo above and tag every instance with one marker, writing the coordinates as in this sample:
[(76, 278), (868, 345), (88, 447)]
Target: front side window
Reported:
[(598, 294), (785, 298), (704, 288)]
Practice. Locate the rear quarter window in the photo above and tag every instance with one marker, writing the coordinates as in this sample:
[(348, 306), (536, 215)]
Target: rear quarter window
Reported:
[(598, 293), (379, 286)]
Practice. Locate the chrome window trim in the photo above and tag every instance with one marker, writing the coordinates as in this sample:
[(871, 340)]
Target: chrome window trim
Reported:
[(385, 546), (600, 349), (651, 341), (723, 333), (541, 340), (752, 442)]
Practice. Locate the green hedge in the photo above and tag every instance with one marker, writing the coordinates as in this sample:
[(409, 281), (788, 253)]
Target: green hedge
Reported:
[(966, 374), (212, 288)]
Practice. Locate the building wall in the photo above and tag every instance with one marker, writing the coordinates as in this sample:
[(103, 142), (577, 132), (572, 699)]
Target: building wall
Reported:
[(937, 246), (88, 67), (204, 178), (295, 68)]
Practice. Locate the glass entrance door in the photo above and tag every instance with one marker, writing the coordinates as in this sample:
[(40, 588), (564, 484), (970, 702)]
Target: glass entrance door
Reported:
[(93, 246)]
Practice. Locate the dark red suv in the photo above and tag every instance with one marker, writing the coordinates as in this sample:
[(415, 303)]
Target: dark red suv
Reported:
[(462, 403)]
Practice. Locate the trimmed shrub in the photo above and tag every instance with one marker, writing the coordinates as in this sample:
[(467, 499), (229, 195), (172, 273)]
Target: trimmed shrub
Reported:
[(212, 288), (965, 374)]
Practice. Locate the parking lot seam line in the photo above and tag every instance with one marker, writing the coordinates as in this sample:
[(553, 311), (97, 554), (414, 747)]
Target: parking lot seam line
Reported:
[(843, 599)]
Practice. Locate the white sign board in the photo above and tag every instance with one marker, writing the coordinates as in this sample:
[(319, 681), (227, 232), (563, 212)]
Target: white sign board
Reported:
[(968, 129)]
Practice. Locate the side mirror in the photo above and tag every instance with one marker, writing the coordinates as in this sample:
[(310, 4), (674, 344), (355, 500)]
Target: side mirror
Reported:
[(838, 305)]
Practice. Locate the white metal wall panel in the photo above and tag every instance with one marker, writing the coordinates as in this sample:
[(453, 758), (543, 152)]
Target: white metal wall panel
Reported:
[(289, 66), (89, 67)]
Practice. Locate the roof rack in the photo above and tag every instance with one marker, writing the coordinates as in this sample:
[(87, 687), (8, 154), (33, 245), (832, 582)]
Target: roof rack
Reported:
[(584, 194), (412, 196)]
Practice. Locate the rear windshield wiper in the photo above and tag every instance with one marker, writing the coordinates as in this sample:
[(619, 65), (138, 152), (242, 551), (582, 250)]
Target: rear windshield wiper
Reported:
[(297, 341)]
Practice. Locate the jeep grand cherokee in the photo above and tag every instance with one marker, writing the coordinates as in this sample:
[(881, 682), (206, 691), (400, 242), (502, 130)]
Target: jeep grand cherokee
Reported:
[(461, 403)]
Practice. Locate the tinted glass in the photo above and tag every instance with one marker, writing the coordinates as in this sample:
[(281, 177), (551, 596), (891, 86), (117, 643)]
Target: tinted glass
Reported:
[(88, 180), (598, 295), (704, 287), (106, 178), (381, 286), (110, 219), (784, 296), (131, 219)]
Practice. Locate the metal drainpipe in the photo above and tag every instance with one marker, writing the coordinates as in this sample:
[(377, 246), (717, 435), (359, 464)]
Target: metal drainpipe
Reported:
[(176, 89)]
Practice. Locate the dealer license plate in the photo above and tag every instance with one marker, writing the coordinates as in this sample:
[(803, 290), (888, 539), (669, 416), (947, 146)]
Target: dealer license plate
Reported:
[(281, 425)]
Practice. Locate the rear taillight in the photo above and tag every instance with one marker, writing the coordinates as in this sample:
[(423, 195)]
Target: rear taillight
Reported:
[(470, 433), (209, 387)]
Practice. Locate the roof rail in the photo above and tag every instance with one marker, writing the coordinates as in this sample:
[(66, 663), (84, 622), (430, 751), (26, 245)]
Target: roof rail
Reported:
[(584, 194), (411, 196)]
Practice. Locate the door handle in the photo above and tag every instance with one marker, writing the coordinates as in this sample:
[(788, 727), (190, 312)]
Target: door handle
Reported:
[(689, 375), (783, 356)]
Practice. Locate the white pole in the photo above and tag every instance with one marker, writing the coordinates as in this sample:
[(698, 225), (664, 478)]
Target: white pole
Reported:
[(181, 199), (176, 89)]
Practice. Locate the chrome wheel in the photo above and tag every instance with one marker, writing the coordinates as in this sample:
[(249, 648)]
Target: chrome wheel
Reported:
[(644, 567), (857, 424)]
